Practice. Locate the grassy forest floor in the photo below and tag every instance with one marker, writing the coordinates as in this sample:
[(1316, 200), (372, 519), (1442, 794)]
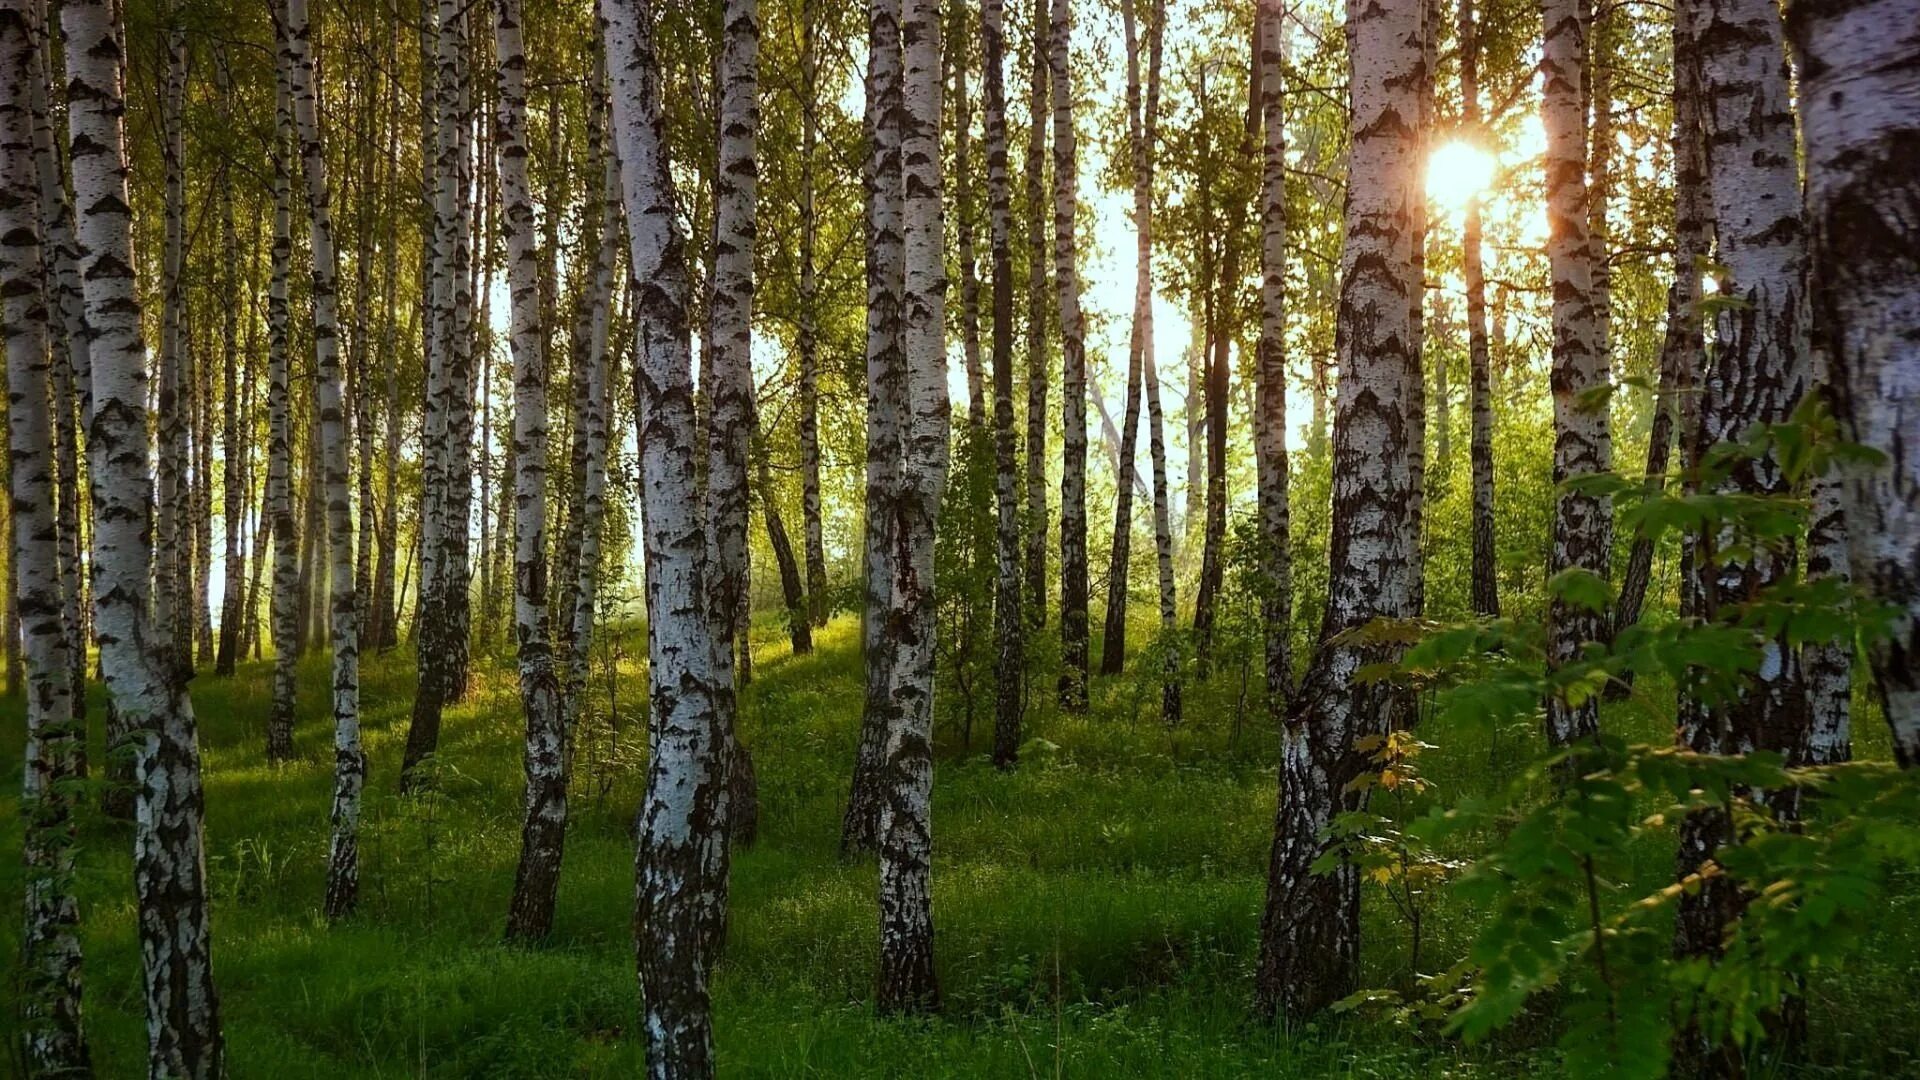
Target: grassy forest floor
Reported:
[(1097, 909)]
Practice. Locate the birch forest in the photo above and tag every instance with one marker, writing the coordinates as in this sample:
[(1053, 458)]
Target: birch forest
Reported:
[(937, 538)]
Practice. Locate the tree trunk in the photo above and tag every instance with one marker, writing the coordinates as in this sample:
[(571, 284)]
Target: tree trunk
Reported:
[(730, 342), (1009, 666), (349, 763), (173, 552), (50, 981), (544, 830), (285, 602), (590, 402), (1756, 374), (1486, 568), (1582, 524), (234, 452), (170, 886), (440, 631), (808, 343), (1682, 353), (1863, 162), (1310, 932), (1156, 421), (906, 979), (72, 382), (1073, 374), (1270, 423), (792, 589), (1035, 184), (886, 406), (1113, 646), (680, 887)]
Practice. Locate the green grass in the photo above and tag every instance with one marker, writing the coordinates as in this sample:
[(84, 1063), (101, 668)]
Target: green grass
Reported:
[(1096, 910)]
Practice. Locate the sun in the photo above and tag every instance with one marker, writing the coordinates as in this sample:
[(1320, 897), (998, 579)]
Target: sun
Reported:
[(1456, 172)]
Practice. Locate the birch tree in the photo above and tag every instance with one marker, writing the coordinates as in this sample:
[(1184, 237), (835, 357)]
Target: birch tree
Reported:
[(680, 867), (71, 380), (1682, 351), (234, 452), (1009, 666), (886, 407), (1486, 571), (349, 763), (1310, 932), (808, 338), (1757, 373), (544, 827), (1113, 645), (442, 614), (732, 420), (1860, 114), (1270, 418), (284, 604), (170, 886), (906, 981), (1034, 190), (1582, 524), (173, 552), (50, 980), (1150, 377), (1073, 375)]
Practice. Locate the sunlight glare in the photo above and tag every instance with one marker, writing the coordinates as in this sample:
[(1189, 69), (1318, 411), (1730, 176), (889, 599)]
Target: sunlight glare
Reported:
[(1456, 173)]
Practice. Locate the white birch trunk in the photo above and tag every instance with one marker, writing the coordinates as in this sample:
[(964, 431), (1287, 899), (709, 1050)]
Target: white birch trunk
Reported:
[(544, 827), (906, 980), (1073, 374), (50, 979), (1582, 526), (1009, 668), (680, 867), (1270, 415), (349, 763), (284, 604), (886, 409), (1310, 932), (170, 884), (1860, 113)]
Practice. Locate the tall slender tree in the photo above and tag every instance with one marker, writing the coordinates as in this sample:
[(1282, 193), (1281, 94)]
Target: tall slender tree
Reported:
[(1486, 570), (1034, 190), (1757, 373), (349, 762), (729, 341), (50, 984), (680, 868), (1310, 932), (233, 451), (1150, 377), (284, 604), (1113, 645), (807, 341), (173, 550), (1073, 375), (886, 409), (1582, 524), (1270, 421), (1682, 350), (1860, 154), (906, 980), (1009, 665), (544, 826), (170, 883)]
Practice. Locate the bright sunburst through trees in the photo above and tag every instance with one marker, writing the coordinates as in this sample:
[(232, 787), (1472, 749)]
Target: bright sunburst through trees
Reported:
[(960, 537)]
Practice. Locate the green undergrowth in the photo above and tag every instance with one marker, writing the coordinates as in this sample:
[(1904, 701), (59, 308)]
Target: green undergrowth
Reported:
[(1096, 910)]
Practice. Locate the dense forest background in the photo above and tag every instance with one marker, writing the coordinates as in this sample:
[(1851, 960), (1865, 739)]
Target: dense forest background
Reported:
[(1307, 539)]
